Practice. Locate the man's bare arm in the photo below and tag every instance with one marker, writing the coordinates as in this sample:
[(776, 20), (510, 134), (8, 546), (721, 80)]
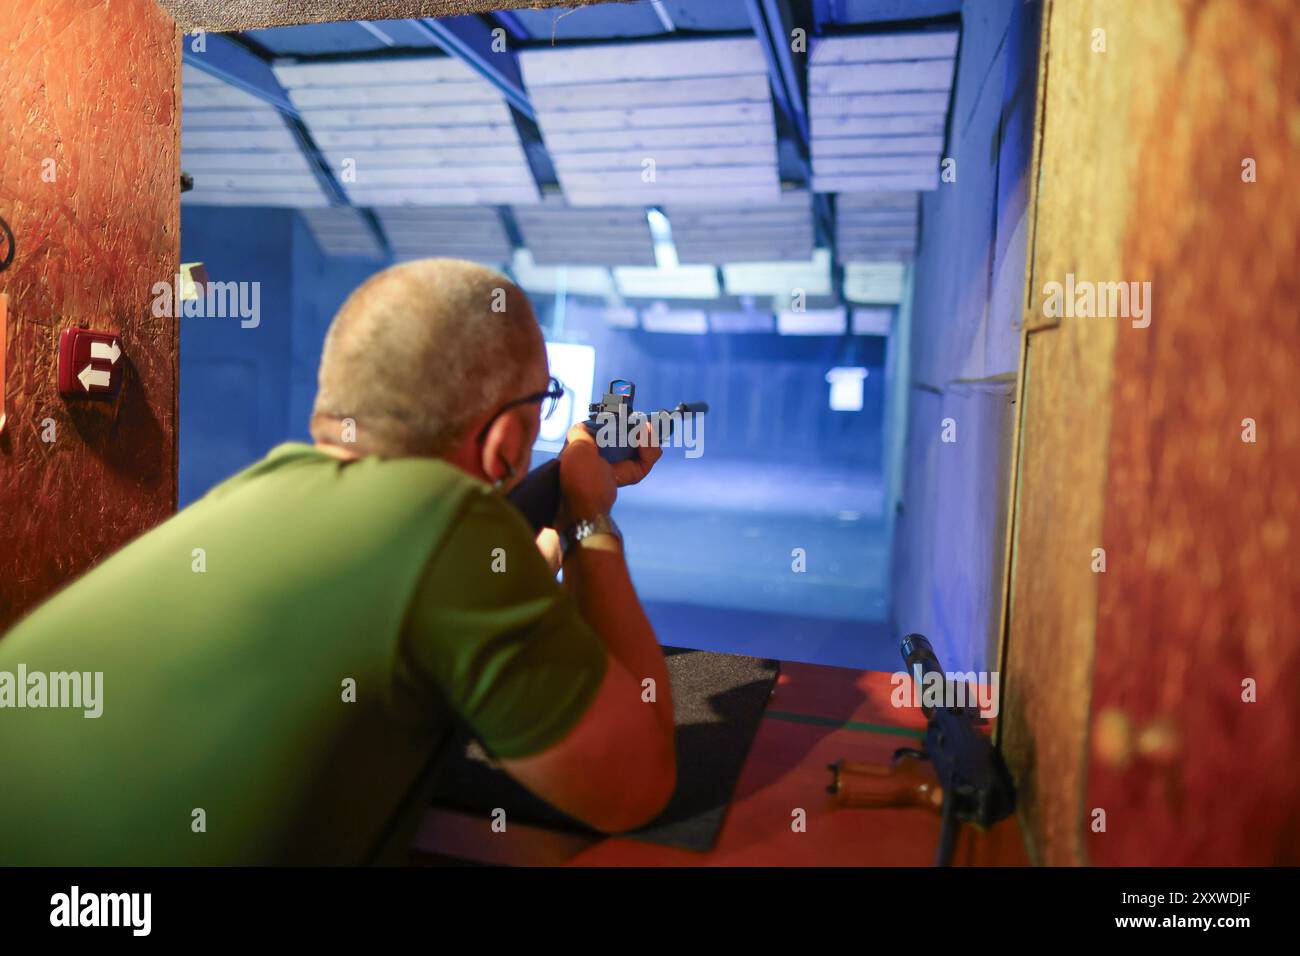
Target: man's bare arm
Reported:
[(617, 768), (596, 573)]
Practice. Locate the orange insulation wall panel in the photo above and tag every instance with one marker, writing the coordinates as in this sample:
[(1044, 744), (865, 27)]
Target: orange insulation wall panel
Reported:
[(89, 184)]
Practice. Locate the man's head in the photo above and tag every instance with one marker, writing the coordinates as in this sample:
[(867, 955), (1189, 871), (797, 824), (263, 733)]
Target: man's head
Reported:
[(421, 356)]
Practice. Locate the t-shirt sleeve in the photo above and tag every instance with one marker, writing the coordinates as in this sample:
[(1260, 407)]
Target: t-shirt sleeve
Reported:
[(491, 629)]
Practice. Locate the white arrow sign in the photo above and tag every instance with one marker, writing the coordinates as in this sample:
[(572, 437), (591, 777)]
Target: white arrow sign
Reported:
[(110, 351), (92, 376)]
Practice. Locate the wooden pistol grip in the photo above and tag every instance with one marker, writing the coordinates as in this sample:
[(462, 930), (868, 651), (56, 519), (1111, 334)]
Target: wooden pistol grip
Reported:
[(907, 782)]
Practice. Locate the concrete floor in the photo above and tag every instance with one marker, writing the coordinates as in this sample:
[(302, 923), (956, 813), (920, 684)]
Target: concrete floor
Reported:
[(710, 542)]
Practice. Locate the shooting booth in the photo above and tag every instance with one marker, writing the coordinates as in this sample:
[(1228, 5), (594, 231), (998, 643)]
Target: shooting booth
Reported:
[(829, 221)]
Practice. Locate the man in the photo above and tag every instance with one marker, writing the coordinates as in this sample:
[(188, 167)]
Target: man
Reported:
[(281, 660)]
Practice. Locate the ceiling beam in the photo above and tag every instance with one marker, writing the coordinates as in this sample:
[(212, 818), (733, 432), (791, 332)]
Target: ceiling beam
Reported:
[(229, 60), (317, 163), (470, 39), (665, 18), (233, 63), (376, 32), (773, 22), (512, 23)]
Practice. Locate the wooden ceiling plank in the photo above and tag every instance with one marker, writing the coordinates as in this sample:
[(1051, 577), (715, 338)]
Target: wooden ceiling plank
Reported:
[(642, 61), (483, 114), (677, 90), (746, 134), (907, 76), (883, 46), (422, 69)]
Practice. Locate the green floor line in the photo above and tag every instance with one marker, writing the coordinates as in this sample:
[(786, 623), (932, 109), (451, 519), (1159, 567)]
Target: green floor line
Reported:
[(846, 724)]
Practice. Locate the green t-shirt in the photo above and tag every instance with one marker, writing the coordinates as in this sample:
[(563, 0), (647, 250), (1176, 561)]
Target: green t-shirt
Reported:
[(281, 661)]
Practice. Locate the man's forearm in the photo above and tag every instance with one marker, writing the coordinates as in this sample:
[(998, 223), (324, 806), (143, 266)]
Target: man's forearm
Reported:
[(596, 573)]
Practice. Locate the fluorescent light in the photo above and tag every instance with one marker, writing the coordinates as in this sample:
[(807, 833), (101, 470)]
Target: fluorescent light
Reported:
[(846, 388), (780, 278), (659, 227), (575, 280), (874, 281), (811, 322), (662, 234), (666, 255), (683, 282)]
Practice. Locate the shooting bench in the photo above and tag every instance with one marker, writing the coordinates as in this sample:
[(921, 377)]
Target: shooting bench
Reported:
[(815, 716)]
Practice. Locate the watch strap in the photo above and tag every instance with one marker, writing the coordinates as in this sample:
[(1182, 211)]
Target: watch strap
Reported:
[(585, 528)]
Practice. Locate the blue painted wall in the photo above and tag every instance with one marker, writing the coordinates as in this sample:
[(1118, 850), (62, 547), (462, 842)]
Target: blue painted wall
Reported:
[(244, 390), (234, 395), (768, 395), (964, 347), (320, 285)]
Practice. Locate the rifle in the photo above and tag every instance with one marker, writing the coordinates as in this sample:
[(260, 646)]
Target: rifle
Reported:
[(959, 773), (612, 422)]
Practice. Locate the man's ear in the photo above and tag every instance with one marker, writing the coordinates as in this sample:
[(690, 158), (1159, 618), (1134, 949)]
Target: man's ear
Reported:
[(504, 450)]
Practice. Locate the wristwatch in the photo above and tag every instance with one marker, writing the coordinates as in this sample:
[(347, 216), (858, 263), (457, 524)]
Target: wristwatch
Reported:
[(585, 528)]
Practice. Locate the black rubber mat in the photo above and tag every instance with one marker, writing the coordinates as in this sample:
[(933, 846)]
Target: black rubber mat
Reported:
[(718, 700)]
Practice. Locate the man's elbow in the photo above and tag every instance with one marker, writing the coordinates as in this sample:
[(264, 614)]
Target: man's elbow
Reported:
[(648, 798)]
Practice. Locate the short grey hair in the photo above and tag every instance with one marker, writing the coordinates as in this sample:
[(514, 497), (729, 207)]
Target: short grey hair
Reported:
[(421, 351)]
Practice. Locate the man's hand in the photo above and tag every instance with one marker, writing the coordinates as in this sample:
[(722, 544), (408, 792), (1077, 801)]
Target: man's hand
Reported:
[(589, 483), (648, 452), (586, 480)]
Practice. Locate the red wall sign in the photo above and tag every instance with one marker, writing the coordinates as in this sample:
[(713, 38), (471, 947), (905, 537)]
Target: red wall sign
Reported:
[(90, 363)]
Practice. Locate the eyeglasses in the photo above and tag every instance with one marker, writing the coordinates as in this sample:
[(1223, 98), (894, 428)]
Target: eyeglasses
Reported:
[(550, 400)]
